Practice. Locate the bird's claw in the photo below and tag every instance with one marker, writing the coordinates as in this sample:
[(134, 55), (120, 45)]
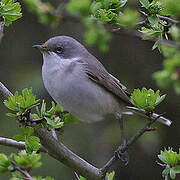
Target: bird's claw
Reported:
[(123, 156)]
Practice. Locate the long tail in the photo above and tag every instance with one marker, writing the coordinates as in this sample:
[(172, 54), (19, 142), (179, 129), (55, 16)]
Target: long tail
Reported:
[(161, 119)]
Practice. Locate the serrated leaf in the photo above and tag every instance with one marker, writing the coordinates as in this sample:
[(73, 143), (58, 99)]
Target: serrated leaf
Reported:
[(11, 11), (19, 137), (145, 3), (32, 144), (146, 99), (28, 160), (172, 173)]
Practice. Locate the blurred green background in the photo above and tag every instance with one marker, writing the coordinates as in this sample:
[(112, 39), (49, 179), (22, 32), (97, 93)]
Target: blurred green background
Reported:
[(129, 59)]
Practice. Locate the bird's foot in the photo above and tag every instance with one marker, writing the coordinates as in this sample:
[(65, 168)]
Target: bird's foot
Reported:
[(123, 156)]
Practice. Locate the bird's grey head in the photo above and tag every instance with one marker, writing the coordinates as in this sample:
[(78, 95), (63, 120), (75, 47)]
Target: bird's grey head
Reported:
[(62, 46)]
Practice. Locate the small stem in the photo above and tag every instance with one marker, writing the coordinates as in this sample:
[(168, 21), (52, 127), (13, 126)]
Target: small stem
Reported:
[(76, 175), (27, 176)]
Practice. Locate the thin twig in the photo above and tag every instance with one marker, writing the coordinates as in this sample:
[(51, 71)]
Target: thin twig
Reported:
[(76, 175), (168, 19), (27, 176), (138, 34), (19, 145), (130, 142)]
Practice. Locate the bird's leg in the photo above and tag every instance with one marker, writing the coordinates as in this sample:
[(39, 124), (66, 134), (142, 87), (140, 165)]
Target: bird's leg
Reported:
[(122, 155)]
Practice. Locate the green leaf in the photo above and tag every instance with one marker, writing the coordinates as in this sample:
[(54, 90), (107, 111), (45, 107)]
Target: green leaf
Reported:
[(28, 160), (153, 19), (32, 144), (162, 157), (156, 44), (145, 3), (19, 137), (122, 3), (10, 10), (166, 172), (54, 123), (172, 173), (160, 99), (12, 115), (4, 163), (69, 118), (82, 178), (27, 130), (177, 168), (111, 175), (23, 102), (146, 99), (43, 108)]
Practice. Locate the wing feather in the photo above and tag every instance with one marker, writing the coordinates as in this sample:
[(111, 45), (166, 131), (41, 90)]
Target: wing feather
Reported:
[(97, 73)]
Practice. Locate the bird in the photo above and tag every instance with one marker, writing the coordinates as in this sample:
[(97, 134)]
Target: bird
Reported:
[(79, 82)]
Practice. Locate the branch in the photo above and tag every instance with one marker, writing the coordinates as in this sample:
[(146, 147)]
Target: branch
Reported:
[(19, 145), (130, 142), (60, 152), (138, 34)]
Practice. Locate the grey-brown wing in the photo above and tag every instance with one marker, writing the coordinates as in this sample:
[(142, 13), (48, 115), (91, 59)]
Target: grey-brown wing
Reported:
[(97, 73)]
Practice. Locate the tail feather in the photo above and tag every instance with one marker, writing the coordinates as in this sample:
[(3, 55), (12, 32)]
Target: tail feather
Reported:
[(142, 112)]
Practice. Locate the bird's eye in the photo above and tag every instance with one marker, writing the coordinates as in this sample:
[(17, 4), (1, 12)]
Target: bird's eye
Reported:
[(59, 50)]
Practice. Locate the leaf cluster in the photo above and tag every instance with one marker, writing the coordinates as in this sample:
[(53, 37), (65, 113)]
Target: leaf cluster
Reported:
[(172, 162), (95, 13), (32, 143), (21, 103), (53, 120), (147, 99), (10, 11), (107, 10), (22, 160)]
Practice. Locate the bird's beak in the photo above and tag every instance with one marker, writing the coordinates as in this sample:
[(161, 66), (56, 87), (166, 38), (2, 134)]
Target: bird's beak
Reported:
[(43, 48)]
